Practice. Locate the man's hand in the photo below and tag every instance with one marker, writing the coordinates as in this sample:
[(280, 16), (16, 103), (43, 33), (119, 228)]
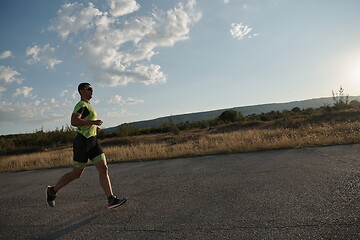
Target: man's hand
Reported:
[(77, 121), (98, 122)]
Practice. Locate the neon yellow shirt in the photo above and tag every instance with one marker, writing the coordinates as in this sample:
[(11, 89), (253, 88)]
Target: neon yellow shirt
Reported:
[(88, 113)]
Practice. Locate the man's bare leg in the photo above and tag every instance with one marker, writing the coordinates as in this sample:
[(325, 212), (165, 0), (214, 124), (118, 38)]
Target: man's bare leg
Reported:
[(104, 177), (68, 177)]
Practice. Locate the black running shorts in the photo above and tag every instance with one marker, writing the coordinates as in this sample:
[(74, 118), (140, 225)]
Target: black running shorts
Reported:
[(85, 149)]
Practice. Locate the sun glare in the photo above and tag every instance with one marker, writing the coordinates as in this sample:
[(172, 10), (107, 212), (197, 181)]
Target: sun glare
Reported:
[(350, 74), (357, 72), (354, 72)]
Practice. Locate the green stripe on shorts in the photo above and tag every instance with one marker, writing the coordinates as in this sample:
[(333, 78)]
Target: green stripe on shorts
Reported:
[(99, 158), (79, 165)]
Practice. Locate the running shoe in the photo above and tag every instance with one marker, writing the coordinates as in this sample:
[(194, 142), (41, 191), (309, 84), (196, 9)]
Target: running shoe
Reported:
[(50, 196), (114, 202)]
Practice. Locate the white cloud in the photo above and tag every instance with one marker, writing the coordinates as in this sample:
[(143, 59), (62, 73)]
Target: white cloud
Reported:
[(116, 114), (129, 101), (11, 113), (5, 54), (150, 74), (172, 26), (24, 91), (5, 109), (8, 75), (73, 17), (118, 50), (245, 6), (43, 55), (75, 94), (36, 113), (122, 7), (133, 101), (62, 94), (116, 99), (2, 89), (253, 35), (239, 31)]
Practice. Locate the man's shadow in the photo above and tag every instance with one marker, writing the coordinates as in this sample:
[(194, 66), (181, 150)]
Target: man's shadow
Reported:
[(66, 230)]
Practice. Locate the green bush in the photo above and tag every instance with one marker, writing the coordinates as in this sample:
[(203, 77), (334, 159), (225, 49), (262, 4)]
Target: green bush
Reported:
[(231, 116)]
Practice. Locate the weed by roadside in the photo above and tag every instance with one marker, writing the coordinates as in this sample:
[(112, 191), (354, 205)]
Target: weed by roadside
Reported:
[(227, 138)]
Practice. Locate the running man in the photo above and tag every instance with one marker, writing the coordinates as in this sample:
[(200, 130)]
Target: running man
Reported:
[(86, 147)]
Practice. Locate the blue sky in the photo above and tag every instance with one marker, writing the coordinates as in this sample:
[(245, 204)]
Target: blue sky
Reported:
[(149, 59)]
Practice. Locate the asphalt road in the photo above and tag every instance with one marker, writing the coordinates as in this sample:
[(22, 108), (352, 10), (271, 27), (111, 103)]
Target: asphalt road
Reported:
[(311, 193)]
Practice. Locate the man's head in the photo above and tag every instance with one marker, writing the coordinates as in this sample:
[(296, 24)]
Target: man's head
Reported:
[(85, 90), (83, 86)]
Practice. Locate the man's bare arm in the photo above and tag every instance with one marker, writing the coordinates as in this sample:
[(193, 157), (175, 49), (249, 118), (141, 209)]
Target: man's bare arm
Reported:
[(76, 121)]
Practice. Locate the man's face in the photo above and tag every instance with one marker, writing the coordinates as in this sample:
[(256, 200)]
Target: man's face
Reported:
[(87, 92)]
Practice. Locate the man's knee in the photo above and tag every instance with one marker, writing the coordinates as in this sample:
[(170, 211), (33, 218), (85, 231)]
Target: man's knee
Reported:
[(76, 173), (102, 168)]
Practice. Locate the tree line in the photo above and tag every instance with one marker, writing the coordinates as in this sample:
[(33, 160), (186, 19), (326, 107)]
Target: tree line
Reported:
[(40, 140)]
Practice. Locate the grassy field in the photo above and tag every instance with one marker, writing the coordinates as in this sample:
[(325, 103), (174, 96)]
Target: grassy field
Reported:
[(318, 130)]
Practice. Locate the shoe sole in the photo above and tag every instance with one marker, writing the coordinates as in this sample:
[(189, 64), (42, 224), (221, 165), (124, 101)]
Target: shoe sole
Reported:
[(46, 196), (119, 204)]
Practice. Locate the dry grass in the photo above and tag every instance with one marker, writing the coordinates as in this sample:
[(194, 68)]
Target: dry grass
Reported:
[(31, 161), (197, 143)]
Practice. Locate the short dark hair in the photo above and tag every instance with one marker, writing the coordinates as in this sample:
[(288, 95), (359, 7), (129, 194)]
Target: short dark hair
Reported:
[(82, 86)]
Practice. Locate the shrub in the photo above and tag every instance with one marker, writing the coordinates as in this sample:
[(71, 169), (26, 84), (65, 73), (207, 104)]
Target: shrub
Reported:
[(354, 104), (125, 130), (296, 110), (231, 116)]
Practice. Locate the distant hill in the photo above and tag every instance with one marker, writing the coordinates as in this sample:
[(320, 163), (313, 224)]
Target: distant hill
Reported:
[(247, 110)]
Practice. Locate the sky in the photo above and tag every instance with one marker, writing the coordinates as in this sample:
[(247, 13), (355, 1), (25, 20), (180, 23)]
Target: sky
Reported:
[(147, 59)]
